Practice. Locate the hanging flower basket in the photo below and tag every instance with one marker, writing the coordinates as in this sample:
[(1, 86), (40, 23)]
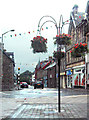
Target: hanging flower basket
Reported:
[(63, 39), (79, 50), (58, 54), (39, 44)]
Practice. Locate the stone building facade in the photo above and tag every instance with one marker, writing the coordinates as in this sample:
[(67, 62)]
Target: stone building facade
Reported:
[(75, 66), (8, 71), (51, 76), (41, 71), (87, 38)]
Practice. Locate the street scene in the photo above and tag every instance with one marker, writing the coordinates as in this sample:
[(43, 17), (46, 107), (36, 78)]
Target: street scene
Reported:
[(44, 59)]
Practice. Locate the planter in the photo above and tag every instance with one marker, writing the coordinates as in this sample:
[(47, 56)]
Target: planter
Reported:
[(58, 55), (39, 44), (79, 50), (63, 39)]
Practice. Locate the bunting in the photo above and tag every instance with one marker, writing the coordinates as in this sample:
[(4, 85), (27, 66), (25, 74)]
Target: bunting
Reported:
[(29, 33)]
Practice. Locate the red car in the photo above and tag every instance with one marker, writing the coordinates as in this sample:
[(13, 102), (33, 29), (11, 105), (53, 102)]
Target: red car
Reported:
[(24, 85)]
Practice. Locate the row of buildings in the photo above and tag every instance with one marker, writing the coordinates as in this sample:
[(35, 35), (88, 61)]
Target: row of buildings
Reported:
[(6, 69), (74, 72)]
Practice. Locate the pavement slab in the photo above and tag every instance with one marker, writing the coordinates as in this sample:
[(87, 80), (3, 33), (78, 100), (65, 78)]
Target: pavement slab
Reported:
[(50, 111)]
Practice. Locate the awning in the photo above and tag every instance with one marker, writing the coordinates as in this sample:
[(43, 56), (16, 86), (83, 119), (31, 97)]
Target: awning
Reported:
[(51, 65), (46, 65)]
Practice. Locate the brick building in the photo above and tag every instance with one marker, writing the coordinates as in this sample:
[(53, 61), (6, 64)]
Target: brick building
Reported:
[(41, 73), (51, 76)]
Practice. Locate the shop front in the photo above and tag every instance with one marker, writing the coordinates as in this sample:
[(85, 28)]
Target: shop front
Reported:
[(45, 81), (69, 78), (78, 79), (62, 80)]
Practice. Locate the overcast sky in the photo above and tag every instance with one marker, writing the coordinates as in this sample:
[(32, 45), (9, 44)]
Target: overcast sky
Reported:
[(23, 16)]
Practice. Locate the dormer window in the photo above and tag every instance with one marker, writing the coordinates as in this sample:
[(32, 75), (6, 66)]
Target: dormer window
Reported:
[(11, 56), (75, 9)]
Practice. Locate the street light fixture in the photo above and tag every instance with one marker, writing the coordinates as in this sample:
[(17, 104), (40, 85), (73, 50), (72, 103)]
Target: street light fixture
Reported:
[(59, 31), (7, 32)]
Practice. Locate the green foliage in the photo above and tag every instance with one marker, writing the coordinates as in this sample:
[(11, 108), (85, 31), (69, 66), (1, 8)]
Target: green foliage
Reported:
[(39, 44), (79, 50), (26, 76), (58, 54), (63, 39)]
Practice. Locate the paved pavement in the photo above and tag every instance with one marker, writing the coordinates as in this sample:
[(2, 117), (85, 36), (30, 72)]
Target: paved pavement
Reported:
[(72, 106), (50, 111)]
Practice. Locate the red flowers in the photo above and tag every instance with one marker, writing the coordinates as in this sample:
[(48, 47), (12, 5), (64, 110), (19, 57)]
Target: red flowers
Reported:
[(39, 44), (64, 35), (79, 50), (80, 44), (40, 38), (63, 39)]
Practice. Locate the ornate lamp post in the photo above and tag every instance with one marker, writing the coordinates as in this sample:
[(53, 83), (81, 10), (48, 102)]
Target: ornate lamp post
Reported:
[(59, 31), (7, 32)]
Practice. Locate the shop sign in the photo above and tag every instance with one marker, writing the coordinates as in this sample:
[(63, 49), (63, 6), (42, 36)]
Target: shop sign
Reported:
[(62, 73), (69, 72), (78, 70), (57, 75)]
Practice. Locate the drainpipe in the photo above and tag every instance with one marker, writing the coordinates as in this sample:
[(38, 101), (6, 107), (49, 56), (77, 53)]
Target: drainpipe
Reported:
[(85, 70)]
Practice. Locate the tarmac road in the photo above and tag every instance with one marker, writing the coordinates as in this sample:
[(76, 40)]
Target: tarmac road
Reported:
[(31, 92)]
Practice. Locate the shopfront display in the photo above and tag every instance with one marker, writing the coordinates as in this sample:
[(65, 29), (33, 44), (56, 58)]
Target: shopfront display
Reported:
[(69, 78), (76, 77)]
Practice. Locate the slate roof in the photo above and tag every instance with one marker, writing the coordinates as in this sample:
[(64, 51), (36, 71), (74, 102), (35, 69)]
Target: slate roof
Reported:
[(8, 55), (87, 8), (77, 18), (50, 66)]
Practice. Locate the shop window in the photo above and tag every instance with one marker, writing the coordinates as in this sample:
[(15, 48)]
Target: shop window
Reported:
[(68, 80)]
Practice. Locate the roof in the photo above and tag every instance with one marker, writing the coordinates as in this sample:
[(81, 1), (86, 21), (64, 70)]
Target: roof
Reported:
[(77, 18), (46, 65), (12, 60), (8, 55), (87, 8), (52, 65)]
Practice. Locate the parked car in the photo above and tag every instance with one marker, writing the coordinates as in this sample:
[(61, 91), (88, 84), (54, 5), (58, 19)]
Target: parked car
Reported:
[(24, 85), (38, 84)]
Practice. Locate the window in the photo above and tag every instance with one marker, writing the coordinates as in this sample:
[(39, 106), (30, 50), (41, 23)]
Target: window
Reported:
[(88, 42), (68, 57)]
